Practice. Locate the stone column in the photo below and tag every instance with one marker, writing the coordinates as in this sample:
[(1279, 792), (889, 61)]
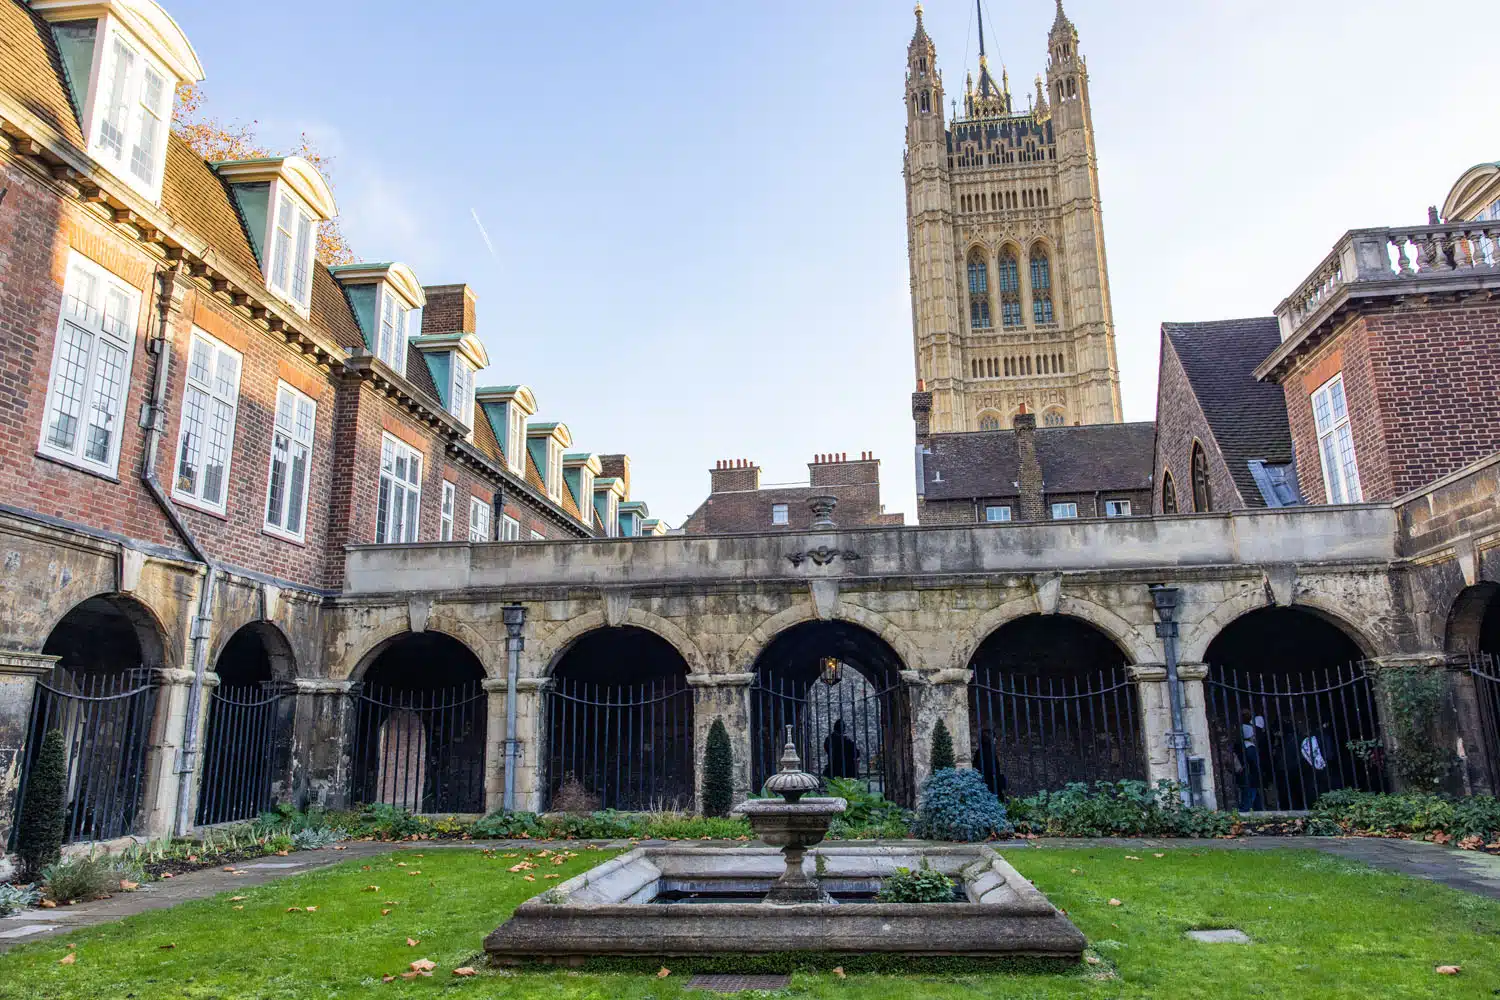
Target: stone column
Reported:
[(1155, 713), (494, 743), (19, 673), (532, 733), (943, 694), (210, 682), (323, 736), (1195, 721), (726, 695), (163, 764)]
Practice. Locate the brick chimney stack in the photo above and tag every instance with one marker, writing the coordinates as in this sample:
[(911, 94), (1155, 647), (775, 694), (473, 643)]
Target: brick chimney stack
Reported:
[(839, 469), (731, 475), (1032, 506), (449, 309), (616, 467), (921, 410)]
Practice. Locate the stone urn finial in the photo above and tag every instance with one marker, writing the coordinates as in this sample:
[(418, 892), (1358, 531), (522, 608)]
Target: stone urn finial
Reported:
[(822, 509), (791, 782)]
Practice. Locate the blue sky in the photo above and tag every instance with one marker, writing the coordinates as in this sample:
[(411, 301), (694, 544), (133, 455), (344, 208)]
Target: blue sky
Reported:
[(697, 209)]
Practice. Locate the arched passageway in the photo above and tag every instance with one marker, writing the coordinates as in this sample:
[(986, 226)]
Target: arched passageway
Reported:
[(102, 697), (419, 738), (247, 746), (619, 723), (839, 687), (1474, 634), (1291, 711), (1051, 703)]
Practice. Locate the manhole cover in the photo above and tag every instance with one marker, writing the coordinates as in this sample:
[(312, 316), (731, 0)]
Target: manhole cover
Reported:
[(737, 984)]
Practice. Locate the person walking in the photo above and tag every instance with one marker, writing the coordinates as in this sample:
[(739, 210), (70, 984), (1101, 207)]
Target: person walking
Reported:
[(1250, 778)]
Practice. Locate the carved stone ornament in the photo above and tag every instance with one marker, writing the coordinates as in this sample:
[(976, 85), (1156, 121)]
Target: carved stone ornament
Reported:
[(822, 556)]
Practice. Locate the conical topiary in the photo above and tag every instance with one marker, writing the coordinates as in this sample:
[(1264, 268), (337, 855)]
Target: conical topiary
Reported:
[(39, 833), (718, 771), (942, 748)]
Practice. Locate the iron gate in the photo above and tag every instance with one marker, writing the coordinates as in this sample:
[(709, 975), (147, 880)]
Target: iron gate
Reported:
[(105, 719), (422, 751), (246, 737), (1034, 734), (1283, 740), (626, 746), (1486, 676), (847, 729)]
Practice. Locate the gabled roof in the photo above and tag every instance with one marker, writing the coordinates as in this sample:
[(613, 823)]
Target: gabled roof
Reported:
[(1073, 459), (1247, 417)]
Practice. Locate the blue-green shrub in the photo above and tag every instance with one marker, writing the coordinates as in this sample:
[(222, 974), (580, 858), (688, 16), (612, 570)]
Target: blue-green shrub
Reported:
[(956, 805)]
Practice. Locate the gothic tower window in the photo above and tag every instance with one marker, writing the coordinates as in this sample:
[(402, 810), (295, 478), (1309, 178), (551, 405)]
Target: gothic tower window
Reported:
[(1041, 286), (1010, 289), (1054, 418), (979, 292), (1202, 497), (989, 422), (1168, 494)]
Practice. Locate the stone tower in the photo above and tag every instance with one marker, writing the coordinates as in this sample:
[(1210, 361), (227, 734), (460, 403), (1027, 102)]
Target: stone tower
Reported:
[(1010, 288)]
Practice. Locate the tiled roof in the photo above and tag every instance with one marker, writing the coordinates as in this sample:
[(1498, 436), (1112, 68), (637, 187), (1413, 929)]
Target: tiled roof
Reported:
[(1073, 460), (1248, 417), (31, 71)]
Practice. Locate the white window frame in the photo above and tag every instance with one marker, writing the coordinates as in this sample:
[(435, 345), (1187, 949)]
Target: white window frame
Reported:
[(585, 495), (445, 522), (780, 514), (119, 101), (479, 520), (291, 243), (392, 329), (461, 392), (99, 313), (1064, 512), (215, 395), (510, 529), (1335, 432), (1117, 508), (612, 515), (537, 536), (398, 483), (995, 513), (515, 447), (553, 481), (288, 425)]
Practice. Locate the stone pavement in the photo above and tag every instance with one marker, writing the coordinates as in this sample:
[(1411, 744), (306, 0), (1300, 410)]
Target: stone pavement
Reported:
[(1470, 871)]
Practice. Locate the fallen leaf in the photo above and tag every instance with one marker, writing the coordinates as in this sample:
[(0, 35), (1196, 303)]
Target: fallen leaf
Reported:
[(400, 864), (236, 899), (165, 947), (412, 942), (166, 874), (312, 909), (529, 878), (294, 909), (1158, 855), (1091, 959), (229, 868), (423, 965), (663, 973), (68, 959), (1115, 902), (553, 875), (465, 971), (1131, 857), (389, 902), (387, 979), (1441, 837), (838, 970), (414, 975), (1073, 871), (237, 907), (418, 855), (129, 886), (48, 904), (384, 912), (192, 857), (239, 871), (1448, 970), (413, 873), (340, 847), (372, 888), (281, 854)]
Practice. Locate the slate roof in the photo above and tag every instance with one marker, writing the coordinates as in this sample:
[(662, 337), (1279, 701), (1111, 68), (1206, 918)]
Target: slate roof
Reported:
[(1247, 417), (1073, 460)]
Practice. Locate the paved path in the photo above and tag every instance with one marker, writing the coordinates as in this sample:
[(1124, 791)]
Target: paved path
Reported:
[(1466, 870), (1470, 871)]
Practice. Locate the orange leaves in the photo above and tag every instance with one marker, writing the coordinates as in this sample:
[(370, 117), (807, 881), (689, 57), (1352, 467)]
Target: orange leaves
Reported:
[(372, 888), (68, 959), (1448, 970), (385, 912), (423, 965), (128, 886), (412, 942), (522, 866), (312, 909), (663, 972), (529, 878), (237, 899), (466, 971), (1115, 902), (838, 970)]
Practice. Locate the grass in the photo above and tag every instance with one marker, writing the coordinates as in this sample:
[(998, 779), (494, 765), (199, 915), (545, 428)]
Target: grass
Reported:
[(1323, 928)]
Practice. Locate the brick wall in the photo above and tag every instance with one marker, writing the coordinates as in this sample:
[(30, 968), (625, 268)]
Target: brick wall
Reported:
[(736, 503), (839, 470), (1089, 505), (1179, 422), (449, 309), (734, 474)]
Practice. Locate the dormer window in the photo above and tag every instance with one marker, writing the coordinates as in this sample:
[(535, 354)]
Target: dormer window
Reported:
[(383, 298), (292, 246), (515, 443), (461, 394), (390, 342), (282, 200), (553, 478), (585, 493)]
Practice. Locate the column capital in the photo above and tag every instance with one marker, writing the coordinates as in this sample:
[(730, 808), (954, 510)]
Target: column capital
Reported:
[(1192, 671), (14, 663), (1398, 660), (171, 676), (323, 685), (960, 675), (1147, 671), (720, 680)]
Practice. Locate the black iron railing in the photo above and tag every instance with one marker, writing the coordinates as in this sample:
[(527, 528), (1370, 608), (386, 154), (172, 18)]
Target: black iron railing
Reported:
[(245, 740), (1486, 674), (422, 751)]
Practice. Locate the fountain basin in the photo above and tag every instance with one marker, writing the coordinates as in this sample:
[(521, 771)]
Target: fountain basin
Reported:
[(609, 912)]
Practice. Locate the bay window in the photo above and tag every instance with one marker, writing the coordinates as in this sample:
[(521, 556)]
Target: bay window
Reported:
[(396, 517), (291, 463), (205, 439)]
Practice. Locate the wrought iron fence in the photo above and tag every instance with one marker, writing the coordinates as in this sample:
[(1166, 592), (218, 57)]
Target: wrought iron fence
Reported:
[(620, 746), (423, 750), (245, 740), (1040, 733), (847, 729), (1281, 740), (105, 720), (1486, 674)]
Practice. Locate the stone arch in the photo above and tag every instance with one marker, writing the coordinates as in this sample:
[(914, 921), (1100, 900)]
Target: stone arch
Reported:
[(1254, 599), (1463, 631), (766, 632), (967, 642), (149, 628), (282, 657), (381, 639), (990, 414), (551, 648)]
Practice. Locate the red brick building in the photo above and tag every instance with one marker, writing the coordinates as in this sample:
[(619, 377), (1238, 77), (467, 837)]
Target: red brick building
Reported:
[(737, 503)]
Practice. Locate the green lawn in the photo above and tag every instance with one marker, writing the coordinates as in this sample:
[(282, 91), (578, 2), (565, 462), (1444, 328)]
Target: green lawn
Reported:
[(1323, 928)]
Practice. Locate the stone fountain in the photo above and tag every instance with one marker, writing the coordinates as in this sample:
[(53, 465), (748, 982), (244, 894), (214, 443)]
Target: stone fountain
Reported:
[(794, 825)]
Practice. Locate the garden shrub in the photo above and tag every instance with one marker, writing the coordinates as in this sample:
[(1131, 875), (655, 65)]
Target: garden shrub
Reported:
[(718, 771), (1410, 813), (925, 885), (956, 805), (1415, 697), (89, 877), (1117, 809), (39, 833), (942, 748), (685, 826), (15, 898), (502, 825)]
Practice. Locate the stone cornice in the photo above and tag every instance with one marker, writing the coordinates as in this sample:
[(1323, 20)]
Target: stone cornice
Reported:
[(15, 663)]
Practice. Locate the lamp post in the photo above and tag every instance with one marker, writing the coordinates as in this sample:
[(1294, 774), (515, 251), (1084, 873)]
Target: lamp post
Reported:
[(1165, 598), (515, 617)]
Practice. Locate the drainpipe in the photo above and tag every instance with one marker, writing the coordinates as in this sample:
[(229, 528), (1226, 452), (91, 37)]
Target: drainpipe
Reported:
[(155, 421), (515, 617), (1165, 599)]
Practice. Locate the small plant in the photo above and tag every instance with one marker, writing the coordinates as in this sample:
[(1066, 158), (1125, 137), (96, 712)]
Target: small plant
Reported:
[(502, 825), (867, 815), (572, 797), (925, 885), (942, 748), (313, 838), (1128, 808), (718, 771), (89, 877), (15, 898), (39, 834), (956, 805)]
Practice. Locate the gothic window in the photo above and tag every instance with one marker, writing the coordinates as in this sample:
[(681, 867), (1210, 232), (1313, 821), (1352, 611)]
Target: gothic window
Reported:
[(973, 369), (925, 103), (1054, 418), (1202, 496), (1041, 286), (1168, 494), (1046, 199), (1010, 289), (979, 293), (989, 422)]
